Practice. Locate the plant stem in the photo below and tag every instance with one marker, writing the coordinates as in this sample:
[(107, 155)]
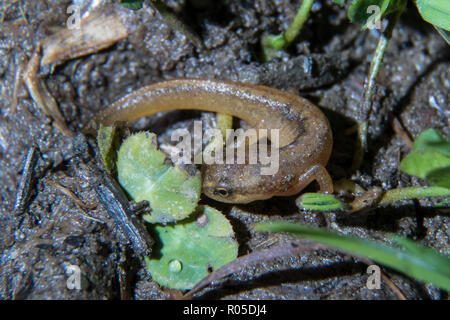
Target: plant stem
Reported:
[(271, 44), (369, 87)]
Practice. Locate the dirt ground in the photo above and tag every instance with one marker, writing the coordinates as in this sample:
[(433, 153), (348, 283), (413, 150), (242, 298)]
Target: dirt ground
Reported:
[(327, 64)]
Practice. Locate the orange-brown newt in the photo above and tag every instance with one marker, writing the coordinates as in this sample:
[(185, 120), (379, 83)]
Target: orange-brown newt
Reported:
[(305, 138)]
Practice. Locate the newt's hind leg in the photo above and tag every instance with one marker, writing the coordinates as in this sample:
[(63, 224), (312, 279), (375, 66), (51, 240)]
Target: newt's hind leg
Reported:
[(318, 173)]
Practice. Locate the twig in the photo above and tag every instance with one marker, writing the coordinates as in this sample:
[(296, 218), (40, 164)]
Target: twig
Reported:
[(71, 195), (80, 204), (401, 132), (291, 249), (24, 16), (393, 287), (25, 183), (388, 280)]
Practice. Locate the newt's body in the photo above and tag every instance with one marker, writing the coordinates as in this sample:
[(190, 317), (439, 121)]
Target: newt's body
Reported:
[(305, 138)]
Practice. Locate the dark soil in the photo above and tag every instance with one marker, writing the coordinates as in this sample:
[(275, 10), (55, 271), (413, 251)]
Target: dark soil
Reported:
[(327, 64)]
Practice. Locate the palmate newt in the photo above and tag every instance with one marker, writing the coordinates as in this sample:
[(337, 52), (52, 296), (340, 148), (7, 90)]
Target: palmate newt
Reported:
[(305, 137)]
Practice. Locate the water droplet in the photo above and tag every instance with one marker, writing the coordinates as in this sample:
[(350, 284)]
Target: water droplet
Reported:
[(175, 266)]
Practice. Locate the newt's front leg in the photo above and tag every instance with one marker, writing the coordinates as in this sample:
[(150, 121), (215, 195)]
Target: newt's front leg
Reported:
[(318, 173)]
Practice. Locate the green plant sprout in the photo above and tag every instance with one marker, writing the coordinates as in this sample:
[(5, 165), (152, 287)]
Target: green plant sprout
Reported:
[(173, 193), (413, 259)]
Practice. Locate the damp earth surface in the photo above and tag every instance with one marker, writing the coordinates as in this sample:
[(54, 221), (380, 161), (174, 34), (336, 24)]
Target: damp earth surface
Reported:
[(327, 64)]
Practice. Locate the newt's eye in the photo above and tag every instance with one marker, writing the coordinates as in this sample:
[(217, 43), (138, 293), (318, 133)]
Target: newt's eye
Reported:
[(221, 191)]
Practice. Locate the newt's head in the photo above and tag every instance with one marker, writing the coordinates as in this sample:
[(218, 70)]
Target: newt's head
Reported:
[(236, 183)]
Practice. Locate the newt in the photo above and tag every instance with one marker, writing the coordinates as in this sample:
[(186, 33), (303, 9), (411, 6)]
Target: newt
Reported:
[(305, 136)]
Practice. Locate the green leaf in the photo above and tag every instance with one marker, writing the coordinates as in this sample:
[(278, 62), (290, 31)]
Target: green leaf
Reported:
[(271, 45), (190, 250), (436, 12), (172, 192), (319, 202), (430, 159), (109, 139), (421, 163), (431, 139), (364, 11), (417, 261), (439, 177), (105, 142)]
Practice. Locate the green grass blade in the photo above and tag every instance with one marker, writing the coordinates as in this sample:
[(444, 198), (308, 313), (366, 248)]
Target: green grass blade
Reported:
[(417, 261)]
